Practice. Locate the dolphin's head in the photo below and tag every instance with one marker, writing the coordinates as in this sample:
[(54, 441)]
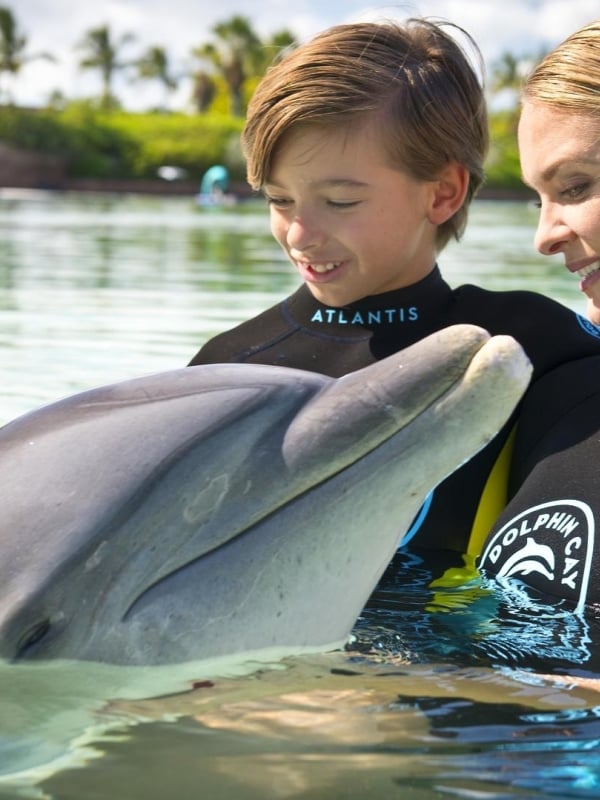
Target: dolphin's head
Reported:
[(226, 509)]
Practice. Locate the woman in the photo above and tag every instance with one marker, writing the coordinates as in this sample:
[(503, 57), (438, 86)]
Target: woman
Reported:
[(559, 142)]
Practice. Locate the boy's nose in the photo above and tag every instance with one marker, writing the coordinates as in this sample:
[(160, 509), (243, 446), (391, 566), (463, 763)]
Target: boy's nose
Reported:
[(304, 232)]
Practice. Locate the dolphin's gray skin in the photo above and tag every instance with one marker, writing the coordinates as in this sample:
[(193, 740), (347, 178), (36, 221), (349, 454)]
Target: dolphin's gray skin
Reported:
[(229, 509)]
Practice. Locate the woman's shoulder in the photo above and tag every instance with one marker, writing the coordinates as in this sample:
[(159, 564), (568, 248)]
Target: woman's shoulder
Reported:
[(508, 305), (505, 296), (550, 331)]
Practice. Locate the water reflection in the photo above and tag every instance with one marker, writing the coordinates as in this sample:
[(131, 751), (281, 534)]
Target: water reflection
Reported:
[(95, 289), (318, 729), (476, 620)]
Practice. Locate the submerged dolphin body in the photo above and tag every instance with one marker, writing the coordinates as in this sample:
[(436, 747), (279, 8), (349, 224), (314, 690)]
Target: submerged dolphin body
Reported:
[(229, 509)]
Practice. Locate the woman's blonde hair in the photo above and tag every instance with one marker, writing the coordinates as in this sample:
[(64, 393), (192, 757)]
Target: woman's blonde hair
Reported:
[(569, 76), (413, 79)]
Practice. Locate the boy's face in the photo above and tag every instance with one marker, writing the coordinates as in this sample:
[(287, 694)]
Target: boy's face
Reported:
[(352, 225)]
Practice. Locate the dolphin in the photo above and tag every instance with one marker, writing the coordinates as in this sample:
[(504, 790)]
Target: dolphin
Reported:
[(231, 509)]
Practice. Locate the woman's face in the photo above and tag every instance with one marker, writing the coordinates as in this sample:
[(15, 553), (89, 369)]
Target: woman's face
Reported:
[(560, 160)]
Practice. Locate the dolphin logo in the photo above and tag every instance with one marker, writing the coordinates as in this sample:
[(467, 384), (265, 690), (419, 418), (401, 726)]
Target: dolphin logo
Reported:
[(532, 557), (552, 543)]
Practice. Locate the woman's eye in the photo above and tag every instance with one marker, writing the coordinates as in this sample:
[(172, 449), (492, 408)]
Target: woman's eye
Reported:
[(575, 192)]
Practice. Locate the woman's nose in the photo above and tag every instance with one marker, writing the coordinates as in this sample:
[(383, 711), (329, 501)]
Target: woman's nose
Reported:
[(552, 232)]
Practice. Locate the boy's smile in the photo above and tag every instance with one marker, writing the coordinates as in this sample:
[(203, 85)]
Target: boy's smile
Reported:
[(351, 224)]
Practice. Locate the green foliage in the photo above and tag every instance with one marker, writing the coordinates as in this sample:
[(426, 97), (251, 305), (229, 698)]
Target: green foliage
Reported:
[(97, 139), (119, 144), (503, 169), (33, 130), (96, 149), (97, 144), (192, 142)]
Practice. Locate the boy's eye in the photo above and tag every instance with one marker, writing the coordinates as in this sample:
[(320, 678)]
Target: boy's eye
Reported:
[(342, 203), (284, 202), (279, 202)]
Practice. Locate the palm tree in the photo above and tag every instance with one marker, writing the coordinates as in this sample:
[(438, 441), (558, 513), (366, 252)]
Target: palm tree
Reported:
[(204, 90), (102, 53), (235, 54), (13, 54), (506, 74), (277, 44), (154, 65)]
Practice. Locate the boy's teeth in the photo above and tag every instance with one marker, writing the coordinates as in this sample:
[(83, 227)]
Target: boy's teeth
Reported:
[(323, 267)]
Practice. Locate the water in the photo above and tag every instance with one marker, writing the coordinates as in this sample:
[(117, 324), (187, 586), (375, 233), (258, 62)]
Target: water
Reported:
[(94, 289), (469, 691), (98, 289)]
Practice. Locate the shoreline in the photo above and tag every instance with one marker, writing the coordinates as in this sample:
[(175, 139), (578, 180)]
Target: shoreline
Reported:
[(186, 188)]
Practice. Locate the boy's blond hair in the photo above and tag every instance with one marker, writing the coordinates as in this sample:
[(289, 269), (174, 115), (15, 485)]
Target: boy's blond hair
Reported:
[(413, 79)]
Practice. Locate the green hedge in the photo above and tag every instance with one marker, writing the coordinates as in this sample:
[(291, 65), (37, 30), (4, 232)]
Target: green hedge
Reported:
[(125, 145), (193, 143), (503, 170), (120, 144)]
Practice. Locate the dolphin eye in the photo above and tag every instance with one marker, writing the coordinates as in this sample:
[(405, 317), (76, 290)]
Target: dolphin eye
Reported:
[(33, 635)]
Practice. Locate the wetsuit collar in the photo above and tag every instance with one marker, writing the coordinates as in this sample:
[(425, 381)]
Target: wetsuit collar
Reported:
[(416, 306)]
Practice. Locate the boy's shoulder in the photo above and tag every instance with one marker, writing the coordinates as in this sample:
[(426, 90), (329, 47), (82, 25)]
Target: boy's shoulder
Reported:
[(236, 343)]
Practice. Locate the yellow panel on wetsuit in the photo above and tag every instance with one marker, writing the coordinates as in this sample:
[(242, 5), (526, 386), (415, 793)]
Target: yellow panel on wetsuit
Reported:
[(491, 504)]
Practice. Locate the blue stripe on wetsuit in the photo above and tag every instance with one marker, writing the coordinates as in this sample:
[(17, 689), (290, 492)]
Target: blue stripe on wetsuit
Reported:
[(419, 520)]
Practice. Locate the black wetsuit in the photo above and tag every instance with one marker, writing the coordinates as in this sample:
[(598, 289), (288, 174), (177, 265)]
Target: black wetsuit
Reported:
[(555, 461)]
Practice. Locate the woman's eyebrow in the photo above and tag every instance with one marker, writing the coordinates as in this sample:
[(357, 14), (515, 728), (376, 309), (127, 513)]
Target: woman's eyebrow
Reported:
[(553, 168)]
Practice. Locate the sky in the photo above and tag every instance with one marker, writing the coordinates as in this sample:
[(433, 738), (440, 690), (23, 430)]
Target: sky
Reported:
[(523, 27)]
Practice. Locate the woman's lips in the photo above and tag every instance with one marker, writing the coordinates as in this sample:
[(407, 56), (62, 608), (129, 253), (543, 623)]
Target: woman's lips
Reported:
[(590, 279), (589, 273)]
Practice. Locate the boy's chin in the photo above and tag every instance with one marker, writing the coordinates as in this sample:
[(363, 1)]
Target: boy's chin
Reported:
[(329, 298)]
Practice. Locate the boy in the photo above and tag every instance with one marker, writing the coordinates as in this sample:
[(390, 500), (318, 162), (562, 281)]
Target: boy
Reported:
[(368, 143)]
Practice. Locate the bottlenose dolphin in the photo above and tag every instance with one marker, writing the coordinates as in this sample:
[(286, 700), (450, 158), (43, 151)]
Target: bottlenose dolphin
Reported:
[(231, 508)]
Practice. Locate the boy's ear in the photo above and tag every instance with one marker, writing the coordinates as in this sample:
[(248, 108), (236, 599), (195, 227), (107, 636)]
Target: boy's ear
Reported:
[(448, 193)]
